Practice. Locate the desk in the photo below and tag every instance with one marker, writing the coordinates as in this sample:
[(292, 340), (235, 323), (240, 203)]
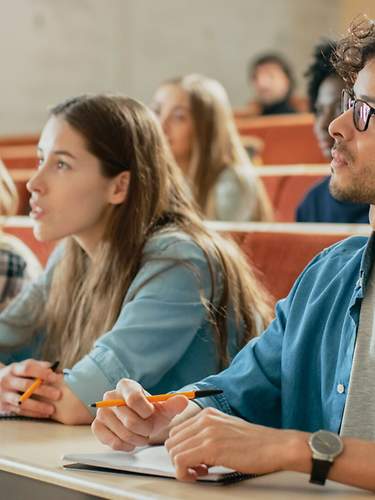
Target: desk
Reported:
[(30, 469)]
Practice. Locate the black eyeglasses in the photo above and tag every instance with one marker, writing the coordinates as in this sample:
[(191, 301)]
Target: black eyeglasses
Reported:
[(362, 111)]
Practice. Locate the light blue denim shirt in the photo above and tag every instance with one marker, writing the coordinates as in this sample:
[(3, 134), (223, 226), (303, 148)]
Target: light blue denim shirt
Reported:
[(162, 337), (296, 374)]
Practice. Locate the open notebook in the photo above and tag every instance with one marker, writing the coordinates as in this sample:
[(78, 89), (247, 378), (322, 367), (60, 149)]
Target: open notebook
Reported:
[(153, 461)]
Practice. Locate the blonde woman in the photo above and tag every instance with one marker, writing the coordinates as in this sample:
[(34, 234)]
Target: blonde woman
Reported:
[(18, 265), (197, 120), (139, 289)]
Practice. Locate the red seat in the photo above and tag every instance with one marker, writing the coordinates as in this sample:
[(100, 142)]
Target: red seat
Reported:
[(20, 157), (280, 257), (286, 192), (19, 140), (287, 185), (287, 139)]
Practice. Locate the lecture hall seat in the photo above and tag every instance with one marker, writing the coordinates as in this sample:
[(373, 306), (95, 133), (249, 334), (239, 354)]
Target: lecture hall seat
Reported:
[(280, 251), (286, 186), (286, 139)]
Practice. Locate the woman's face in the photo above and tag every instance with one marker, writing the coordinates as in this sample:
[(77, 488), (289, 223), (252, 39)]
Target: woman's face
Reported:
[(171, 105), (69, 194)]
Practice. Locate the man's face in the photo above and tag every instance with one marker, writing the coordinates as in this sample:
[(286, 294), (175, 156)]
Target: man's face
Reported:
[(270, 83), (353, 163)]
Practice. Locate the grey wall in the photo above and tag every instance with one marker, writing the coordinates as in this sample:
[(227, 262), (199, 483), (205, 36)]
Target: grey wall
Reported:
[(50, 49)]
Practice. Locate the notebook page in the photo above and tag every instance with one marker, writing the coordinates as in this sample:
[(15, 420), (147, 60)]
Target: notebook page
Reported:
[(153, 460)]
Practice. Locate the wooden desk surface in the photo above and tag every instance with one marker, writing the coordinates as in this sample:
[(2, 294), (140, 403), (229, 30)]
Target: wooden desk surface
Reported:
[(34, 450)]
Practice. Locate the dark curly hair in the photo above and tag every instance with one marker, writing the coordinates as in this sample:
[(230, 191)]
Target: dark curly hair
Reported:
[(356, 49), (320, 69)]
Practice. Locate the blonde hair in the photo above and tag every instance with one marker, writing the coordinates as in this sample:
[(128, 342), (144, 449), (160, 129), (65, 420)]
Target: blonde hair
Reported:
[(124, 135), (8, 193), (217, 145)]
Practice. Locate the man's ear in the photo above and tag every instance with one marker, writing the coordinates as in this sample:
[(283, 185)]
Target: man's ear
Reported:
[(119, 188)]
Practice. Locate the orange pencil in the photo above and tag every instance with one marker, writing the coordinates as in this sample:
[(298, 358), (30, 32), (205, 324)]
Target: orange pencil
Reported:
[(34, 386), (159, 397)]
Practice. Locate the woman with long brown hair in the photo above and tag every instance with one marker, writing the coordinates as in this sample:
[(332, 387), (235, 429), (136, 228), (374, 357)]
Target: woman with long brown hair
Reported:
[(198, 122), (139, 288)]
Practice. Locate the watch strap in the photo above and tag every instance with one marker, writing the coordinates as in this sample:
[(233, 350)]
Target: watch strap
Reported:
[(319, 472)]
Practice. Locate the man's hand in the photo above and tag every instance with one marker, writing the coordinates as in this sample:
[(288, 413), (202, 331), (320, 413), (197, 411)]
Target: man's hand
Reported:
[(16, 378), (214, 438), (140, 422)]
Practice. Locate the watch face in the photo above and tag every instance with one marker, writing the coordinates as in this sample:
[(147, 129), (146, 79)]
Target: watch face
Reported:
[(326, 443)]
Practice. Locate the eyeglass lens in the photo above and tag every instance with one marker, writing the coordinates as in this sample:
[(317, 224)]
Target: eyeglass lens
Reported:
[(361, 114), (361, 110)]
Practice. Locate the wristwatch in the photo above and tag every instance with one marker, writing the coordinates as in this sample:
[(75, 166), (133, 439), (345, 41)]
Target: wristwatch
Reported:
[(325, 447)]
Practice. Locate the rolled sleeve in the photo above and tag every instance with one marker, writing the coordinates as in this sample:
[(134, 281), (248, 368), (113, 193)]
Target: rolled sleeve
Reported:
[(87, 379)]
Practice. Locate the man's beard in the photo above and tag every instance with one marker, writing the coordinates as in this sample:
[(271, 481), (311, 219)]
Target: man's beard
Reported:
[(354, 193)]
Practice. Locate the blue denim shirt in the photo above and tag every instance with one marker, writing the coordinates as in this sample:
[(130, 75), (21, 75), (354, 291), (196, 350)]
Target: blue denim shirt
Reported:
[(296, 374), (162, 337)]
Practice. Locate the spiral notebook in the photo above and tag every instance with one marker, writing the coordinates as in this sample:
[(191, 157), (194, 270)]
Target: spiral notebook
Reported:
[(153, 461)]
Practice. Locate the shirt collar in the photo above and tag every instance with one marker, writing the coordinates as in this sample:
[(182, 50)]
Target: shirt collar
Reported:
[(367, 261)]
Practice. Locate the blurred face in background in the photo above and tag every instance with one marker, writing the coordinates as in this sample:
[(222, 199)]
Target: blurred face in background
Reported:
[(327, 108), (270, 82), (171, 104)]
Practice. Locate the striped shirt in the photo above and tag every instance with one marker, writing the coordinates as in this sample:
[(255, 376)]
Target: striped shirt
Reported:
[(18, 267)]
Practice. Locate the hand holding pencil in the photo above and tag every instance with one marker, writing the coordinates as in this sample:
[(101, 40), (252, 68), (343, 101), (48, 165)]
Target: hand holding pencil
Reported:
[(158, 398), (143, 419), (17, 378), (34, 386)]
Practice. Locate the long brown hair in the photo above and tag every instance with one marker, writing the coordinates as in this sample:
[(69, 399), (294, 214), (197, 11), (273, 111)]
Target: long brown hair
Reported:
[(86, 295), (218, 146)]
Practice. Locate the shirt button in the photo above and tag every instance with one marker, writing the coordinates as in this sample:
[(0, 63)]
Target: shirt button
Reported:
[(340, 388)]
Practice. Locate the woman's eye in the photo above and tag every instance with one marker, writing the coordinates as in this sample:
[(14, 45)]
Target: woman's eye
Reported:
[(179, 116), (61, 165)]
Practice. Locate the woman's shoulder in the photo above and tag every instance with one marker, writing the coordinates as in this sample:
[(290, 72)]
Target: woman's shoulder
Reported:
[(172, 244), (237, 177)]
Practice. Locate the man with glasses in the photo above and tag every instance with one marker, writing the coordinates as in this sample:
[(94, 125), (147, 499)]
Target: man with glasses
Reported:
[(313, 368), (324, 90)]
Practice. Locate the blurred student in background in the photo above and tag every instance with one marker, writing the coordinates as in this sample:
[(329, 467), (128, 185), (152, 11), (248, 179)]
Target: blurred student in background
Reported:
[(18, 265), (272, 79), (196, 117), (140, 286), (324, 89)]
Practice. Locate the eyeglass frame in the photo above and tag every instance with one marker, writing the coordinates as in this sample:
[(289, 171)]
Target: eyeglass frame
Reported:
[(346, 93)]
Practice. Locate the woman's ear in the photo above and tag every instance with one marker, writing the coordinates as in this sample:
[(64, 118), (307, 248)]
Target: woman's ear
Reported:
[(119, 188)]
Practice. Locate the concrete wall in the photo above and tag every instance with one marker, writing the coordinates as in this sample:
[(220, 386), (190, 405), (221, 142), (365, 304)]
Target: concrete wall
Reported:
[(350, 9), (51, 49)]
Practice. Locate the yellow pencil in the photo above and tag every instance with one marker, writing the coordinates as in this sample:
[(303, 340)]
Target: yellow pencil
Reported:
[(159, 397), (34, 386)]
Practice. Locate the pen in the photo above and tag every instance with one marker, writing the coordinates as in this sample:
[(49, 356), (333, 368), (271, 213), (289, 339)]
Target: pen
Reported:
[(33, 387), (160, 397)]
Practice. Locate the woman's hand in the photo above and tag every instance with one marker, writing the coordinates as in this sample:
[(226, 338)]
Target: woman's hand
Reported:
[(16, 378), (215, 438), (140, 422)]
